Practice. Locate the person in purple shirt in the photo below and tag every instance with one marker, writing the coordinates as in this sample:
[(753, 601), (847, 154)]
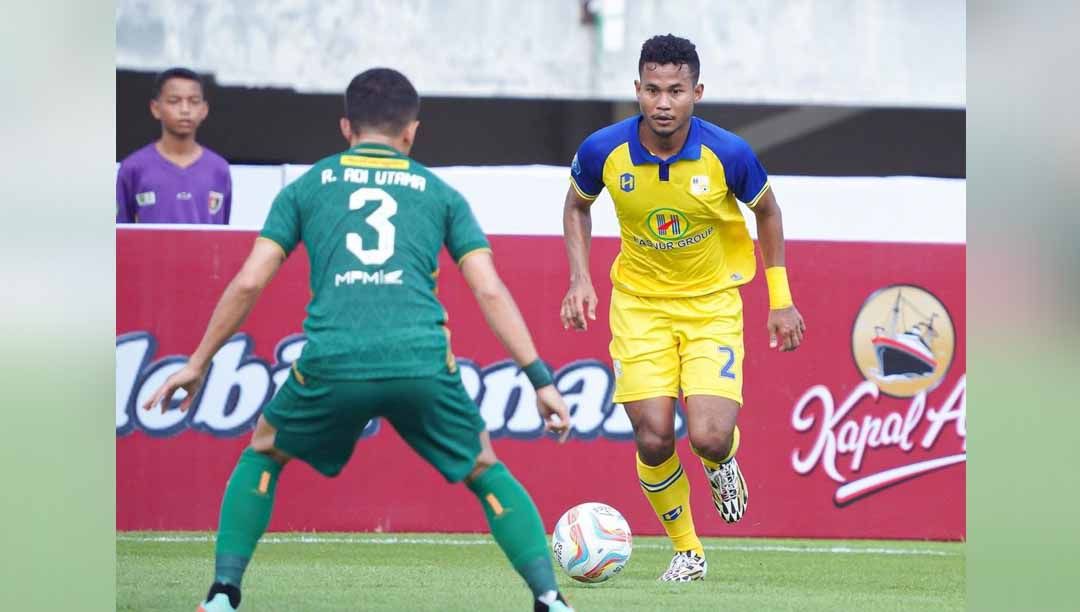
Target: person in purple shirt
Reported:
[(175, 179)]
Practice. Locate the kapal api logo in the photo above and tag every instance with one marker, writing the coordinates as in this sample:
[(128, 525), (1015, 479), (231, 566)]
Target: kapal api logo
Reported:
[(239, 384), (903, 343)]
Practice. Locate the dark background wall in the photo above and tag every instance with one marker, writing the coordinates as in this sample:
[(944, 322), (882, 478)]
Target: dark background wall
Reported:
[(273, 126)]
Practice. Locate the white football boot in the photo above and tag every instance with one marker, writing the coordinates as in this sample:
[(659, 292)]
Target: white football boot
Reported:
[(218, 603), (729, 490), (685, 566)]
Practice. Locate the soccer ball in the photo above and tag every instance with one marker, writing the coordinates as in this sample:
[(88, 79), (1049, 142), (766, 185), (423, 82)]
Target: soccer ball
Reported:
[(592, 542)]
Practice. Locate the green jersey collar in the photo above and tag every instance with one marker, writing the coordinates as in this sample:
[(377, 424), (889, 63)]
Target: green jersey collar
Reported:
[(374, 148)]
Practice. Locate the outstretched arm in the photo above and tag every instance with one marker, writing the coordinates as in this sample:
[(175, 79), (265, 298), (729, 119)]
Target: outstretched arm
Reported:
[(786, 326), (500, 310), (229, 314), (580, 300), (504, 318)]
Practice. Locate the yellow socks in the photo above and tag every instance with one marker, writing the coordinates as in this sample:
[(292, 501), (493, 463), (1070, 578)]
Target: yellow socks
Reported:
[(712, 465), (668, 490)]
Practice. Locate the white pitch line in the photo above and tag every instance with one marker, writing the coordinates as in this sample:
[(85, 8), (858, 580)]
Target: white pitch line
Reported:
[(315, 539)]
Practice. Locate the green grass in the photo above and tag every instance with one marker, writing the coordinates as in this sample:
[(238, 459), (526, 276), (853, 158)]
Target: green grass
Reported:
[(309, 573)]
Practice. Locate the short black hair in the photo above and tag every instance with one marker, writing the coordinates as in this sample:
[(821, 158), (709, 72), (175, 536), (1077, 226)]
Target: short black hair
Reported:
[(176, 73), (670, 49), (381, 99)]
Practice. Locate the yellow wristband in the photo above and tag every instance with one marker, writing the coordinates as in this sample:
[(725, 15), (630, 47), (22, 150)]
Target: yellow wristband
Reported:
[(779, 292)]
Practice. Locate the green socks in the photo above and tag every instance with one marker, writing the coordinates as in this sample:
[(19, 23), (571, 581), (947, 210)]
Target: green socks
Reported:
[(516, 526), (514, 520), (245, 513)]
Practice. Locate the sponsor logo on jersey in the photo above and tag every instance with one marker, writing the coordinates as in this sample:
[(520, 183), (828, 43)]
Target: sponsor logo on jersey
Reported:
[(215, 201), (363, 277), (183, 195), (362, 161), (667, 223), (626, 182), (902, 342), (146, 198)]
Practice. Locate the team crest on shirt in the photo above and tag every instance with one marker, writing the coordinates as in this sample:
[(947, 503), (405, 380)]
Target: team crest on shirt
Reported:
[(215, 201), (626, 182), (699, 184), (146, 198)]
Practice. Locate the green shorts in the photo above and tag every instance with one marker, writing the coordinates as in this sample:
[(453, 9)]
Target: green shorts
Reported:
[(319, 421)]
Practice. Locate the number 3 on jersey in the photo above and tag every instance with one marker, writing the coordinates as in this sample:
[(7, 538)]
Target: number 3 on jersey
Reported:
[(378, 219)]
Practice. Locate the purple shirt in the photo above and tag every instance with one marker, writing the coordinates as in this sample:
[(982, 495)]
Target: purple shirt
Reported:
[(152, 189)]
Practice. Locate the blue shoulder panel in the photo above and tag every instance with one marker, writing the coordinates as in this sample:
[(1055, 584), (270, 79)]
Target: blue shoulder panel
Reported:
[(745, 175), (587, 169)]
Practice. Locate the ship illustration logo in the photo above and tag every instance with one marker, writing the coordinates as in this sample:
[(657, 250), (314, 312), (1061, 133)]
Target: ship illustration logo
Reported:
[(903, 340)]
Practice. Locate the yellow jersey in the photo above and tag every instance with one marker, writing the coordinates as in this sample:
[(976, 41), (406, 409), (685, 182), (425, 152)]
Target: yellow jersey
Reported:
[(682, 232)]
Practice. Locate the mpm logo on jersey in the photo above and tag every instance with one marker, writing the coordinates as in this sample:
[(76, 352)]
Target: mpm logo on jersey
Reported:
[(626, 182), (378, 277)]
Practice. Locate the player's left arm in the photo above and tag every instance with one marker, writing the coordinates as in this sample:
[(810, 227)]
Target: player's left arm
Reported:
[(785, 324), (232, 310)]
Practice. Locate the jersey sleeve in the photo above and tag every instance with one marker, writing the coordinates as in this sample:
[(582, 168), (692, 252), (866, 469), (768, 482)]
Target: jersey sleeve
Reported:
[(587, 169), (283, 222), (125, 200), (746, 177), (463, 233)]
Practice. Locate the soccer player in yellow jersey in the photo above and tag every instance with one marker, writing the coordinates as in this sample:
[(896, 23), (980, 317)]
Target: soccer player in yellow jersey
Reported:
[(676, 312)]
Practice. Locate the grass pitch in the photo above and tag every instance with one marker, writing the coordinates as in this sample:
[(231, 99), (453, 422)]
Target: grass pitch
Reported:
[(317, 572)]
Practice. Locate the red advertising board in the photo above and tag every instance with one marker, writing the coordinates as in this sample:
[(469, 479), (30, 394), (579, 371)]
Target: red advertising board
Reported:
[(858, 434)]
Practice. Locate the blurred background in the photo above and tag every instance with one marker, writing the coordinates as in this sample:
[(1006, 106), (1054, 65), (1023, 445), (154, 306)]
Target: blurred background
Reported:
[(829, 87)]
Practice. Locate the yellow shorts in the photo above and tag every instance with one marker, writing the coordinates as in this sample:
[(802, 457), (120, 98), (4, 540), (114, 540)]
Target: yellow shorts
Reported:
[(659, 345)]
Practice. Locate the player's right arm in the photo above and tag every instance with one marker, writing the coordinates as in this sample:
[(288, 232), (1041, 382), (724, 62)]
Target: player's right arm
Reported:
[(580, 300), (278, 238), (231, 312), (504, 318)]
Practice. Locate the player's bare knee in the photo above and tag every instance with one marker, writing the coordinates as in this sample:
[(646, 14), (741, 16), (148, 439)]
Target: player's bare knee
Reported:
[(713, 444), (262, 442), (264, 445), (654, 448), (484, 460)]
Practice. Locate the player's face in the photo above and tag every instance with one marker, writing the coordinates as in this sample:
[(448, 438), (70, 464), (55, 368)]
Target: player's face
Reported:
[(666, 94), (180, 107)]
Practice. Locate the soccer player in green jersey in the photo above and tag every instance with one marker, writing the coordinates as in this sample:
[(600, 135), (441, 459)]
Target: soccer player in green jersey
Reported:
[(373, 222)]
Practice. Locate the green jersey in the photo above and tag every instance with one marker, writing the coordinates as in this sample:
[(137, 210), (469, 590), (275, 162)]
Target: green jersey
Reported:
[(373, 222)]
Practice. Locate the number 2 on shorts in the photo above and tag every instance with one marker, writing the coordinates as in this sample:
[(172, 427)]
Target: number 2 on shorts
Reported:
[(725, 372)]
